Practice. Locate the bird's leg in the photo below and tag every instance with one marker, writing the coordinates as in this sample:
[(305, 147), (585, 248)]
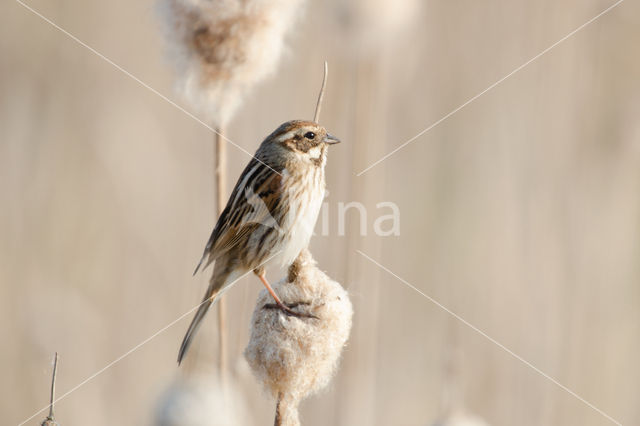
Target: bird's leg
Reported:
[(279, 305)]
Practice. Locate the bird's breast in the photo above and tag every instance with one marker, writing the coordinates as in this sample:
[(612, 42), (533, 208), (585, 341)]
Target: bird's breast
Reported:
[(304, 198)]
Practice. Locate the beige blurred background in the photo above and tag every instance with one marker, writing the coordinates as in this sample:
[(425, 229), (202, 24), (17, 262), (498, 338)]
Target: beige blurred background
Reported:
[(520, 213)]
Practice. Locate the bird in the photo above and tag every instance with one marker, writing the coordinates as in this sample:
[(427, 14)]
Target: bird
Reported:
[(270, 215)]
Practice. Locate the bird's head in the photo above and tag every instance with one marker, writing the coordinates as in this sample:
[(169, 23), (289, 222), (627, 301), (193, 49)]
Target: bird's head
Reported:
[(303, 140)]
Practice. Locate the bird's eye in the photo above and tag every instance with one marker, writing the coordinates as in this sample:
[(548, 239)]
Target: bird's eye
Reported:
[(310, 135)]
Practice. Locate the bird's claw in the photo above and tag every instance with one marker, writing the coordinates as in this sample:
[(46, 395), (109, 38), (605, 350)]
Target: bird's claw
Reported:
[(287, 309)]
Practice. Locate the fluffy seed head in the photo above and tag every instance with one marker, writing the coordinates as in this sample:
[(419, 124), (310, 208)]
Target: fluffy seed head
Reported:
[(460, 419), (370, 23), (221, 48), (295, 357), (201, 401)]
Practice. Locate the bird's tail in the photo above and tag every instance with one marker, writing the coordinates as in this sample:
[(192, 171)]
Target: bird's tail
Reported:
[(207, 301)]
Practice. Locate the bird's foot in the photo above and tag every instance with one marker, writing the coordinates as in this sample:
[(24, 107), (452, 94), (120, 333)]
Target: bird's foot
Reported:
[(288, 309)]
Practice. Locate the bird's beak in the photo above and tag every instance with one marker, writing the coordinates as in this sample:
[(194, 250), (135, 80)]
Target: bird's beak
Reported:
[(331, 140)]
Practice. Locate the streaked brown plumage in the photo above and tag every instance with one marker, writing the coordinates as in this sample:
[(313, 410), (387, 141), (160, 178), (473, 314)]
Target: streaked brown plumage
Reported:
[(271, 212)]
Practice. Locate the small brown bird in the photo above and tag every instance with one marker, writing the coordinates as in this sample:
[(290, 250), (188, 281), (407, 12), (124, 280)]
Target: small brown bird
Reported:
[(270, 215)]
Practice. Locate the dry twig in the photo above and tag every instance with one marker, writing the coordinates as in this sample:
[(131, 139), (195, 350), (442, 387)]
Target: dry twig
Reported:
[(50, 420)]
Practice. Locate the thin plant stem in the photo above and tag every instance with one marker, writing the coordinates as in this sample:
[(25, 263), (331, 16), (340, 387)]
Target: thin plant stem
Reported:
[(369, 125), (316, 115), (52, 397), (220, 162)]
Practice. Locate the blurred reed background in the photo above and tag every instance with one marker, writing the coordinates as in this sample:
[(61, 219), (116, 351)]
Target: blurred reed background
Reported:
[(520, 213)]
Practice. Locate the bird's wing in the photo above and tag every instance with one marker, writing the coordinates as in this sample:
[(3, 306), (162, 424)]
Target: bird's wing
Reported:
[(254, 202)]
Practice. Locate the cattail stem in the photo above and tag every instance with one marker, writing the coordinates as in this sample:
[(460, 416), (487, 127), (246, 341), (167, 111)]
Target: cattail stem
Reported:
[(220, 162), (278, 420), (221, 169), (316, 115)]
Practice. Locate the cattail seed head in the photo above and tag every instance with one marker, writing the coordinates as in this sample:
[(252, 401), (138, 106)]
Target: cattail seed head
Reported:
[(460, 419), (221, 48), (295, 357), (201, 401), (371, 23)]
